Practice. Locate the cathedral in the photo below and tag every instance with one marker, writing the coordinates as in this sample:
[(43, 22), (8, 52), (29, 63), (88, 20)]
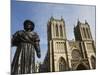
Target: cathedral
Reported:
[(69, 55)]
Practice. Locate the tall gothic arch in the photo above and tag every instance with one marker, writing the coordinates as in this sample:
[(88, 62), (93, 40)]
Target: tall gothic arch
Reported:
[(61, 31), (81, 67), (62, 64), (57, 32)]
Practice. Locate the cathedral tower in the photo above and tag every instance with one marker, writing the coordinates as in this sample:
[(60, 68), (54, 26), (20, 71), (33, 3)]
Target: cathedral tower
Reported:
[(82, 32), (57, 45), (83, 35)]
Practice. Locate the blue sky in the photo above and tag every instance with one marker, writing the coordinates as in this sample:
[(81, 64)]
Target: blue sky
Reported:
[(40, 13)]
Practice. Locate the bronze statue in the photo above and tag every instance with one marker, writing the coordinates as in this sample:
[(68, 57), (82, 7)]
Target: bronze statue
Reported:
[(26, 42)]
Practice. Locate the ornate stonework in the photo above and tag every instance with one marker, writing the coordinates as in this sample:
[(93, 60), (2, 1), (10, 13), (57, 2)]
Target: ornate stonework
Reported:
[(63, 54)]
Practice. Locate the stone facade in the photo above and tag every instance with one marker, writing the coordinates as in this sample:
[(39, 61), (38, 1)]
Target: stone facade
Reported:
[(66, 55)]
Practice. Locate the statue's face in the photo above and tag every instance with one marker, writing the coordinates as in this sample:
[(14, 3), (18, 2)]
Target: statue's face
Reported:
[(28, 27)]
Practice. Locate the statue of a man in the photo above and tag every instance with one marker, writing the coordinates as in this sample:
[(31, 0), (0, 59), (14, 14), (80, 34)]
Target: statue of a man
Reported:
[(26, 42)]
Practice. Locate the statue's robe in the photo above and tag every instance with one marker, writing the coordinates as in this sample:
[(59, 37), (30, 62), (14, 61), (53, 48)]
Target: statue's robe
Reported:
[(24, 59)]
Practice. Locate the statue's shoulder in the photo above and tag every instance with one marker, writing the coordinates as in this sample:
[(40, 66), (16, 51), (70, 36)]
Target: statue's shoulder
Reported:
[(35, 34), (20, 32)]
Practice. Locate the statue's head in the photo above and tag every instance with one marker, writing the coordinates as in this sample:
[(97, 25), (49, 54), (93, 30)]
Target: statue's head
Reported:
[(28, 25)]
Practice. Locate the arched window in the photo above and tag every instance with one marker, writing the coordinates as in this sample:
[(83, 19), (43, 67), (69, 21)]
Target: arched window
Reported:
[(57, 33), (82, 67), (84, 32), (61, 31), (93, 62), (62, 64), (87, 30), (76, 55)]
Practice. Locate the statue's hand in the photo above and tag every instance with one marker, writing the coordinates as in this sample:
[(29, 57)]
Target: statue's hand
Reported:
[(38, 55)]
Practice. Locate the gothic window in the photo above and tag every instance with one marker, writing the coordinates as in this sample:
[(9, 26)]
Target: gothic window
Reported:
[(93, 62), (57, 33), (61, 31), (76, 55), (90, 33), (84, 32), (81, 67), (87, 32), (62, 64)]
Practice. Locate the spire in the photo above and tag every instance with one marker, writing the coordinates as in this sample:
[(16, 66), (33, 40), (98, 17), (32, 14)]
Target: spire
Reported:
[(78, 22), (62, 18), (52, 18), (86, 22)]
